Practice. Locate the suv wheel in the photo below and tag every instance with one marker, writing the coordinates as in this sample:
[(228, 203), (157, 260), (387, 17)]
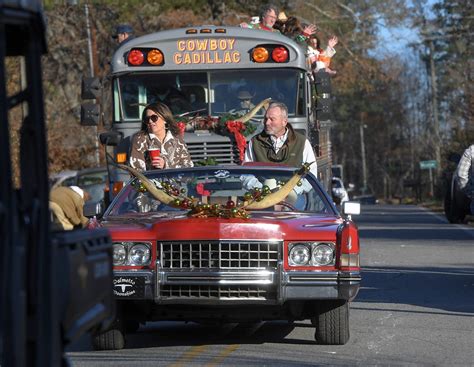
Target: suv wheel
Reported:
[(112, 339)]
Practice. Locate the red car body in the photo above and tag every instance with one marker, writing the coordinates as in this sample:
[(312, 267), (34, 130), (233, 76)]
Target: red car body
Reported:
[(238, 269)]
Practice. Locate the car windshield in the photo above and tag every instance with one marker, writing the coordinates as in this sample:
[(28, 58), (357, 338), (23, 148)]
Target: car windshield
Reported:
[(210, 93), (222, 188)]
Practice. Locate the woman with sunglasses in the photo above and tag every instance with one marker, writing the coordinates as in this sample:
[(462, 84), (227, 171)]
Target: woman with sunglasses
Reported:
[(159, 131)]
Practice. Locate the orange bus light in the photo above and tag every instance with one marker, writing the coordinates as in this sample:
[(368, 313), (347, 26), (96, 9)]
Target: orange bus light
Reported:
[(117, 187), (260, 54), (206, 30), (135, 57), (191, 31), (220, 30), (155, 57)]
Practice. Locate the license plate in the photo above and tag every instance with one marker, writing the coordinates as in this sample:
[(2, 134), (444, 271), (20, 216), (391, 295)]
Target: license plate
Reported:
[(129, 287)]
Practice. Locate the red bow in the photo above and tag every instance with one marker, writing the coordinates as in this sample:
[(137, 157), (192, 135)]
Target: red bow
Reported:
[(236, 127), (181, 127)]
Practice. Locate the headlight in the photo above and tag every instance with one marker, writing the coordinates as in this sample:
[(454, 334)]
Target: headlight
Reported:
[(120, 254), (322, 254), (299, 255), (139, 254)]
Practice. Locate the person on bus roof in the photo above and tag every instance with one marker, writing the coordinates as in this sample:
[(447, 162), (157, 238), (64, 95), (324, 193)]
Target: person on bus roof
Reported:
[(159, 131), (268, 17), (123, 33), (279, 142)]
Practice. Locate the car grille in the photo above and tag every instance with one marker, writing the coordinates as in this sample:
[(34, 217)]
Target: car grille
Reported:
[(221, 152), (218, 292), (220, 255)]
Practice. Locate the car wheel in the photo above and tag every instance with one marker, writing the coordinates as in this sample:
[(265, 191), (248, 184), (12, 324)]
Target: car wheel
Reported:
[(332, 322), (112, 339)]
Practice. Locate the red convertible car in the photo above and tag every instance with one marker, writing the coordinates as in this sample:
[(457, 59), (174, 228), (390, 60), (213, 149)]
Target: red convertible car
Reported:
[(231, 244)]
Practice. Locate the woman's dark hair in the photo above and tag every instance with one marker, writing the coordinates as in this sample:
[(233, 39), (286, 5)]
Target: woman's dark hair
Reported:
[(279, 25), (293, 27), (162, 110)]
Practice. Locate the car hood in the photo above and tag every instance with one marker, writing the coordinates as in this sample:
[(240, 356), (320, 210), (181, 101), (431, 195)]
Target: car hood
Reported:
[(262, 225)]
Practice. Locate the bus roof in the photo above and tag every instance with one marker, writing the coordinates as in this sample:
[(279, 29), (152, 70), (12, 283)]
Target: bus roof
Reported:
[(208, 48)]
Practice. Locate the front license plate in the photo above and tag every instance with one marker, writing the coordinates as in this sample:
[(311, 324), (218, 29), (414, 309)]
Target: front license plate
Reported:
[(129, 287)]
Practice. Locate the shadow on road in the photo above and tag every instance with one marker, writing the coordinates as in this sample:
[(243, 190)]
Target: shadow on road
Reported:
[(440, 288)]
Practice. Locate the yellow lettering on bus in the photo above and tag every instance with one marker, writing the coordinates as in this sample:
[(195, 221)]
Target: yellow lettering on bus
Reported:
[(196, 58), (213, 45), (208, 58), (223, 44), (236, 57), (181, 45), (231, 43), (217, 59), (201, 45), (190, 45), (187, 59), (177, 58), (227, 58)]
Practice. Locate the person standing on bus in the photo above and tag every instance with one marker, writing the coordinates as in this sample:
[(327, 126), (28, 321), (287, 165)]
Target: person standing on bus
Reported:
[(279, 142), (268, 17), (159, 131), (123, 33)]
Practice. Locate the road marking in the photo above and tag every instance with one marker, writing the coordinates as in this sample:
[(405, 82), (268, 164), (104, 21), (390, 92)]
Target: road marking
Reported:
[(223, 355), (189, 356)]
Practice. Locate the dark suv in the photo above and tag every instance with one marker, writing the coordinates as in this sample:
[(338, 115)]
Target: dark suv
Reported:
[(456, 203)]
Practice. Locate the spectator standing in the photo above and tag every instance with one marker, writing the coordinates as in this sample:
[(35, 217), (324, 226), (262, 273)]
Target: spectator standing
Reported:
[(159, 131), (465, 174), (279, 142), (123, 33), (268, 17), (67, 206)]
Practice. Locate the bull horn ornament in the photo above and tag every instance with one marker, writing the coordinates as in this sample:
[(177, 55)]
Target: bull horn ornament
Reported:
[(265, 103), (200, 210)]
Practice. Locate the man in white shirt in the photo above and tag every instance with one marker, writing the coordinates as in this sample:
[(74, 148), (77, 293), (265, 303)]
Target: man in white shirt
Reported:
[(279, 142)]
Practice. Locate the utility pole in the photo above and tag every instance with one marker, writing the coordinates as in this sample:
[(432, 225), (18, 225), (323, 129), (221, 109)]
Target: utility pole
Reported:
[(434, 102), (91, 66), (362, 153)]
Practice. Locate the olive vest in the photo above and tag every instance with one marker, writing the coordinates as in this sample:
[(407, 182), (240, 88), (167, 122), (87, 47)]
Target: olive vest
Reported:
[(291, 153)]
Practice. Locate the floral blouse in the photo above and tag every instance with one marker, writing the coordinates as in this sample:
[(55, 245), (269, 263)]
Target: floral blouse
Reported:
[(173, 150)]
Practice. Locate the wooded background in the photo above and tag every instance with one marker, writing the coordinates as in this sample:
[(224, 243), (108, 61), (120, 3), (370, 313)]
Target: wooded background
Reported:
[(415, 103)]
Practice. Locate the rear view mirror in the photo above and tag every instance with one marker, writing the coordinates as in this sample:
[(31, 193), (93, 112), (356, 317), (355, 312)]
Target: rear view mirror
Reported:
[(90, 88), (323, 109), (110, 138), (322, 81), (90, 114), (350, 208)]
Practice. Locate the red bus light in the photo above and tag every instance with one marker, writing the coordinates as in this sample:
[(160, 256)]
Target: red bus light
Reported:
[(280, 54), (135, 57)]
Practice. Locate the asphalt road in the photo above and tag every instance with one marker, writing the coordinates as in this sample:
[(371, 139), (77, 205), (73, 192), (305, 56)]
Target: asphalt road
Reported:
[(415, 308)]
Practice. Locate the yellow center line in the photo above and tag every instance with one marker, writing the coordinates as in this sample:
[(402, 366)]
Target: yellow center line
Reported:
[(188, 356), (222, 355)]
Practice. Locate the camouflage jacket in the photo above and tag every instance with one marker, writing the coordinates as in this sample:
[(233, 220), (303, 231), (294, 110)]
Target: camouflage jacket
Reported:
[(173, 150)]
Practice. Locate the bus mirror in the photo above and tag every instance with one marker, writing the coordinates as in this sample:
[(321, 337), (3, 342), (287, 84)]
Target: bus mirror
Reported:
[(323, 109), (322, 81), (90, 113), (90, 88), (110, 138)]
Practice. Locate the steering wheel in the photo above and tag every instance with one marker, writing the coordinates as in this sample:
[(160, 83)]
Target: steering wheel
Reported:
[(286, 204)]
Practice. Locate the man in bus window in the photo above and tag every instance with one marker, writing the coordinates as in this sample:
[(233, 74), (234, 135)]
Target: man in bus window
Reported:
[(279, 142), (268, 17)]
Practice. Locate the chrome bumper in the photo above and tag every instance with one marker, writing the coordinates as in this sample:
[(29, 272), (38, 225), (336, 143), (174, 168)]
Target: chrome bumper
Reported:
[(239, 287)]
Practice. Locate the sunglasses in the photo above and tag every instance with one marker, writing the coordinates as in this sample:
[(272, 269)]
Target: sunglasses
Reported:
[(153, 118)]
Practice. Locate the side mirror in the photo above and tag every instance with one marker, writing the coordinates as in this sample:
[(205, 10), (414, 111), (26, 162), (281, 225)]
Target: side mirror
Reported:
[(323, 109), (350, 208), (90, 88), (111, 138), (90, 114), (322, 81)]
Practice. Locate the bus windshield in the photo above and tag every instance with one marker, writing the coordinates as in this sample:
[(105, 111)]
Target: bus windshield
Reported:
[(208, 92)]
